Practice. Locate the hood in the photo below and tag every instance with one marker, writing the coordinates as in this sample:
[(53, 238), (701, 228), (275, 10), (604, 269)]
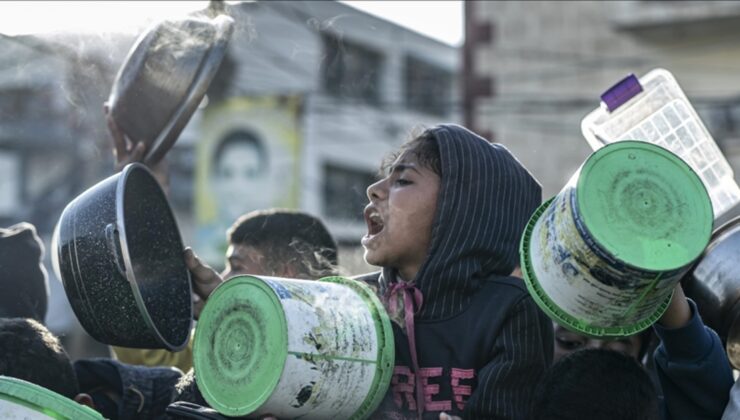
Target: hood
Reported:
[(485, 200)]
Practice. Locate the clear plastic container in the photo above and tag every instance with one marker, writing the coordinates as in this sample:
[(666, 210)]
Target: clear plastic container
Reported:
[(657, 111)]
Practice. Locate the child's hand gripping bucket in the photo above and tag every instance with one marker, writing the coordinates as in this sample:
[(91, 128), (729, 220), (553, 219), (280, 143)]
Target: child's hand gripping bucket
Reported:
[(604, 255), (294, 348)]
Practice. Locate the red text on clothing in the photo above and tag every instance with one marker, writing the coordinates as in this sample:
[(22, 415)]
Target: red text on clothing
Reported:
[(404, 381)]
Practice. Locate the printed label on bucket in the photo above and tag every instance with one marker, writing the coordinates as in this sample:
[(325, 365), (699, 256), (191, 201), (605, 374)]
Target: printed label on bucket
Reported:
[(594, 290), (333, 351)]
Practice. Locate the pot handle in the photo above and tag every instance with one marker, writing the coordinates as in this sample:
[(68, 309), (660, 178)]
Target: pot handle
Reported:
[(193, 411), (114, 246)]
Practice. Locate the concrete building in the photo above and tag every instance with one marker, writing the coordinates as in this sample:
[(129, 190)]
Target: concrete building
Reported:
[(533, 70)]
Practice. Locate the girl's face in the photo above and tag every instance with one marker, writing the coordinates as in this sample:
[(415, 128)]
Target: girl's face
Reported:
[(567, 342), (399, 216)]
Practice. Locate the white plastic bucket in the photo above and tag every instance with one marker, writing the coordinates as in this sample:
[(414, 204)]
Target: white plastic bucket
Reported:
[(604, 255), (294, 348)]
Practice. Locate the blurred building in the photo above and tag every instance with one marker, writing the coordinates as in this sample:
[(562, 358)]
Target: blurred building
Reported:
[(330, 89), (362, 85), (533, 70)]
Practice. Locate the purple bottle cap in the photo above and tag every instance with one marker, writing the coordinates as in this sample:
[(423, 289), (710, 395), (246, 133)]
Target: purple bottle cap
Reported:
[(621, 92)]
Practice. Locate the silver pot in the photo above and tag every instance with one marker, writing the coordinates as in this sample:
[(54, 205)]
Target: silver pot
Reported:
[(165, 77), (714, 284)]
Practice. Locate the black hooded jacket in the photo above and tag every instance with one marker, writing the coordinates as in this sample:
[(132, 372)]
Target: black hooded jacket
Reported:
[(481, 341)]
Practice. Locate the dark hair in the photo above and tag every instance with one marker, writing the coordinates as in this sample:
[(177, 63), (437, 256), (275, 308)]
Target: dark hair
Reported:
[(238, 137), (32, 353), (595, 383), (423, 147), (288, 237)]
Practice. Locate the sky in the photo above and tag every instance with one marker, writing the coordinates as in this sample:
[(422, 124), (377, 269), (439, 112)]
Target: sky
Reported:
[(441, 20)]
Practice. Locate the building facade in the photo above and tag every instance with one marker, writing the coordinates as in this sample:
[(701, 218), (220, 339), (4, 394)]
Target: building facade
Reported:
[(533, 70)]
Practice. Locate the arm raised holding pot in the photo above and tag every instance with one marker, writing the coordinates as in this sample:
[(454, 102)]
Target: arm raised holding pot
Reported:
[(127, 150)]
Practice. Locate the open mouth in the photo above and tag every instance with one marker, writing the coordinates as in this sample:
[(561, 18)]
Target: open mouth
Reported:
[(374, 222)]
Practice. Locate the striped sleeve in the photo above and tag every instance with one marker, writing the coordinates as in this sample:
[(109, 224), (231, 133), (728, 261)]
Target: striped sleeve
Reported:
[(521, 354)]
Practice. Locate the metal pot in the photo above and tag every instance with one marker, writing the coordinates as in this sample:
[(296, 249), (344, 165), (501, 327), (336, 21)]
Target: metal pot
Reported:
[(164, 78), (118, 252), (714, 284)]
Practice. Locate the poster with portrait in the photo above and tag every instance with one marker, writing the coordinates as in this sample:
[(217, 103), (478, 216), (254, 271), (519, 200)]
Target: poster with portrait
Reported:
[(247, 159)]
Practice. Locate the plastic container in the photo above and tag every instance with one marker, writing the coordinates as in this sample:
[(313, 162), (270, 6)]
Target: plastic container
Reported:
[(22, 400), (294, 348), (655, 109), (603, 256)]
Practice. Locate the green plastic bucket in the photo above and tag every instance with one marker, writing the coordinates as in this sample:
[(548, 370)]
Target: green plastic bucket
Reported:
[(294, 348), (20, 399), (603, 256)]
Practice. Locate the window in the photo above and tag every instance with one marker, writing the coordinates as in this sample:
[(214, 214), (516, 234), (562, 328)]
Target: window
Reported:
[(351, 70), (344, 192), (428, 87), (181, 166), (19, 104)]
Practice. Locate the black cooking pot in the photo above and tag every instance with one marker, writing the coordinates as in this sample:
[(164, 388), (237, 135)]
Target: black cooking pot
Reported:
[(714, 284), (118, 252)]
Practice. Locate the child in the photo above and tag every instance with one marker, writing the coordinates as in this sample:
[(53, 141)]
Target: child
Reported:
[(445, 225)]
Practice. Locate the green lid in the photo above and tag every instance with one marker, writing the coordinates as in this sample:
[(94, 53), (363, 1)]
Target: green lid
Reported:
[(386, 347), (241, 344), (44, 401), (644, 206)]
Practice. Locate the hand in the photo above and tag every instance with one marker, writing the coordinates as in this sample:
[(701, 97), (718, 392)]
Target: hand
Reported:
[(445, 416), (205, 280), (678, 313), (126, 150)]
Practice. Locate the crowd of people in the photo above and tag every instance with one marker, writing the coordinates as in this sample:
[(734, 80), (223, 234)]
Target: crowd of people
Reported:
[(443, 226)]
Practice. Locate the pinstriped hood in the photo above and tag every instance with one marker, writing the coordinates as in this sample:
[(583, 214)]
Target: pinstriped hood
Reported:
[(486, 198)]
